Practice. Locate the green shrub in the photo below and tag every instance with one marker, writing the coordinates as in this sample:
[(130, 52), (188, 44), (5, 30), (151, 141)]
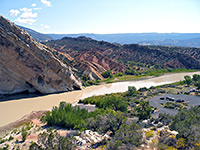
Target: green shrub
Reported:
[(14, 131), (66, 116), (119, 74), (10, 138), (127, 137), (24, 134), (69, 117), (197, 84), (107, 101), (107, 74), (143, 111), (170, 105), (6, 147), (132, 91), (187, 124), (188, 80), (130, 71), (162, 147), (2, 140), (149, 134), (196, 77)]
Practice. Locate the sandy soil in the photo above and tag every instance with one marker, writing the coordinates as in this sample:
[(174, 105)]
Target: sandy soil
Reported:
[(17, 124), (36, 129)]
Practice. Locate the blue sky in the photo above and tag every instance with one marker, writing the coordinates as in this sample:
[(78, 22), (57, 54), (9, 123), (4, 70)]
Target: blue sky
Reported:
[(104, 16)]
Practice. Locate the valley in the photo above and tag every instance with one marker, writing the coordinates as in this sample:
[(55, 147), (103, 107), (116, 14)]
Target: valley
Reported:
[(80, 93)]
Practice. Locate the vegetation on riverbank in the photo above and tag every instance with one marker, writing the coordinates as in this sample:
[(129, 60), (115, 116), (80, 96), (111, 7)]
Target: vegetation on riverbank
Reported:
[(151, 73), (118, 77), (126, 118)]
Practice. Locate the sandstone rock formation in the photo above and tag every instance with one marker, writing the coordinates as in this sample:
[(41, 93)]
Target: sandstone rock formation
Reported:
[(89, 139), (27, 65)]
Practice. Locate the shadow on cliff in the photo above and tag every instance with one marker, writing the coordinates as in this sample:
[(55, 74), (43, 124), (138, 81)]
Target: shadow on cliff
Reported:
[(24, 95), (19, 96)]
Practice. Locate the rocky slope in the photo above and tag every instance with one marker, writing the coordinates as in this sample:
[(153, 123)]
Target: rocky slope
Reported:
[(27, 65), (148, 55), (193, 52), (110, 56), (85, 55)]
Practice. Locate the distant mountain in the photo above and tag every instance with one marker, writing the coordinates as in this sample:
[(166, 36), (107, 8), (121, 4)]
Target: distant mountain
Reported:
[(36, 35), (171, 39), (194, 42)]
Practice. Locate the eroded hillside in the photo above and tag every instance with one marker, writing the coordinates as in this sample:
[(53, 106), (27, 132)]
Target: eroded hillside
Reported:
[(99, 56)]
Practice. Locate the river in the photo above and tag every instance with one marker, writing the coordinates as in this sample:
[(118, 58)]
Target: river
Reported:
[(16, 108)]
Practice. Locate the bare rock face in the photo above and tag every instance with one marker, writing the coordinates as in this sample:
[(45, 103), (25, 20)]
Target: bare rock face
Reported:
[(26, 65), (89, 140)]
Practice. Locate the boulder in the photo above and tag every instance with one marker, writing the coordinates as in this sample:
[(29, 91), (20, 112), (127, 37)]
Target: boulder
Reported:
[(88, 139)]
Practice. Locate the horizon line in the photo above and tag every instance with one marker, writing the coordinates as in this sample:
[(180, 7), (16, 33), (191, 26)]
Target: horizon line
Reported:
[(132, 33)]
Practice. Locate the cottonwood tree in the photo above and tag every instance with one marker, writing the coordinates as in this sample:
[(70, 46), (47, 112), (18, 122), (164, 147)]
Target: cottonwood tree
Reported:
[(188, 80)]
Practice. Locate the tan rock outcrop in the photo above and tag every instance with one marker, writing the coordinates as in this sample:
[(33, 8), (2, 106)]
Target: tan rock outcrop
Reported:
[(27, 65), (88, 139)]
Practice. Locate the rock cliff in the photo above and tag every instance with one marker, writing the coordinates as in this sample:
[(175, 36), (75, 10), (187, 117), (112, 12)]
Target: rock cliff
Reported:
[(27, 65)]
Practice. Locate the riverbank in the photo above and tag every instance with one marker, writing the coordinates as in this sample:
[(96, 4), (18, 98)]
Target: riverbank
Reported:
[(104, 82), (15, 109), (149, 75), (35, 115), (17, 124)]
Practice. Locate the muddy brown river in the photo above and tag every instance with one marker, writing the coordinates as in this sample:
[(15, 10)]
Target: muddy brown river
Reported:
[(16, 108)]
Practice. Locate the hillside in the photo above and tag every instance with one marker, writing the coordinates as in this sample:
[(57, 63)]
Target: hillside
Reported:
[(36, 35), (193, 52), (29, 66), (86, 60), (116, 57)]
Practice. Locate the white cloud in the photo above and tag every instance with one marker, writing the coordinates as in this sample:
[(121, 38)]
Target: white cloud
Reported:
[(28, 15), (33, 5), (29, 21), (13, 12), (26, 9), (37, 8), (45, 2), (43, 26)]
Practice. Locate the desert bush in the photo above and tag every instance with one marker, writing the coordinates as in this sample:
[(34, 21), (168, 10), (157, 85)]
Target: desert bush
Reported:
[(149, 134), (127, 137), (24, 134)]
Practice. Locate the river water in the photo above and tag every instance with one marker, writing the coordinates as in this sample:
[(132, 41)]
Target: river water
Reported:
[(17, 107)]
